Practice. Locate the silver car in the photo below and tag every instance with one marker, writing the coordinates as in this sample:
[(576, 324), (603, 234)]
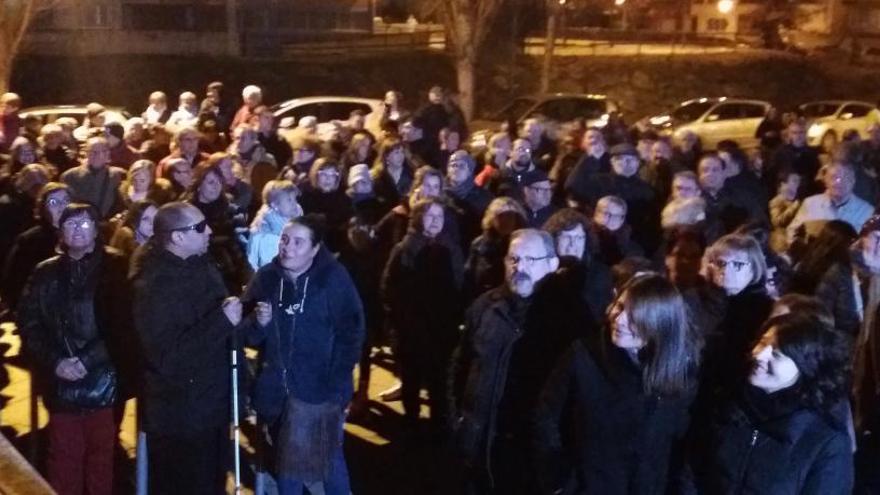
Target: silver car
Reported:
[(713, 120)]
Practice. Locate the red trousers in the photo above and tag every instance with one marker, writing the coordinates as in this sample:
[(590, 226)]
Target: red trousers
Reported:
[(81, 452)]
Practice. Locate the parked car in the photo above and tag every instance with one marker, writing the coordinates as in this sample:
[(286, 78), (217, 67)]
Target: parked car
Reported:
[(51, 113), (557, 108), (829, 119), (328, 109), (712, 120)]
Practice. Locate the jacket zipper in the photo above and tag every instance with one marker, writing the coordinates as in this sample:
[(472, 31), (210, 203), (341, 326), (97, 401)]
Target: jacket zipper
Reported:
[(742, 474)]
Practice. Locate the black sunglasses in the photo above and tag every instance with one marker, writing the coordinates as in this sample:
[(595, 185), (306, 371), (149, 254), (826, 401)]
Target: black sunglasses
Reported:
[(198, 227)]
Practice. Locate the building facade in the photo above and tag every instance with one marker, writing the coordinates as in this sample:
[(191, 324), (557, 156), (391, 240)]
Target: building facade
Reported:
[(191, 27)]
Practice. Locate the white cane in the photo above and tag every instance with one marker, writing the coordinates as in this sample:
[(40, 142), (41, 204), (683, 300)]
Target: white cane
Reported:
[(235, 426)]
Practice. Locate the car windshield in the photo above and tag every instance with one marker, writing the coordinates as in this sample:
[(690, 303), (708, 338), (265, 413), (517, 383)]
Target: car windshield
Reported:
[(514, 110), (691, 111), (814, 110)]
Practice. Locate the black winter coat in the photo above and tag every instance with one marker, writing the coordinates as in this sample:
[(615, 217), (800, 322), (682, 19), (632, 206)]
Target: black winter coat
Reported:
[(509, 347), (184, 341), (30, 247), (336, 208), (421, 291), (620, 440), (79, 306), (577, 184), (798, 453), (470, 207), (643, 209)]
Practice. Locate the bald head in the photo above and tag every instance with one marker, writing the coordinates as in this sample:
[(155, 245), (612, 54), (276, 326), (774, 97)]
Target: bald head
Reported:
[(172, 216)]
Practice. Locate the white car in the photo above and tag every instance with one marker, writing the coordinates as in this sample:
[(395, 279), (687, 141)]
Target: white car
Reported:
[(50, 113), (829, 119), (330, 110), (713, 120)]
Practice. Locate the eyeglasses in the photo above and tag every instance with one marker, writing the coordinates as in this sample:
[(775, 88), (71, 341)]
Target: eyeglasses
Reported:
[(330, 174), (198, 227), (524, 260), (57, 202), (735, 264), (74, 224)]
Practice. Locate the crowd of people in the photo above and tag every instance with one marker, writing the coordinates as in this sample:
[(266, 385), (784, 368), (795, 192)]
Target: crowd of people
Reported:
[(590, 310)]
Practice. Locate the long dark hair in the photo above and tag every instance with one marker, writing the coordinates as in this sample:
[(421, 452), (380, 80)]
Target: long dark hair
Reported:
[(822, 356), (830, 247), (657, 312)]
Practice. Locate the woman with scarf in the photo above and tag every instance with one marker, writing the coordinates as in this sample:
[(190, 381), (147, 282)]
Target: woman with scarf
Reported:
[(778, 431)]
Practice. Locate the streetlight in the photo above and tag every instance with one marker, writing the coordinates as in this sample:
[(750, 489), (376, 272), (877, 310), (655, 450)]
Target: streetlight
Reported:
[(725, 6)]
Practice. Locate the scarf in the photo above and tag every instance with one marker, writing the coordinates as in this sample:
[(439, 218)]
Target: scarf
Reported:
[(460, 191)]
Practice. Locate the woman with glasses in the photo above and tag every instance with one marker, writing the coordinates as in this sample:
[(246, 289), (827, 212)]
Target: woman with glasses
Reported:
[(35, 244), (72, 313), (780, 430), (624, 393), (737, 297)]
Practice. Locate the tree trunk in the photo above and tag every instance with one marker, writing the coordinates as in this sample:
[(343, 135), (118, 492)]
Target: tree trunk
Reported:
[(14, 19), (549, 46), (465, 67)]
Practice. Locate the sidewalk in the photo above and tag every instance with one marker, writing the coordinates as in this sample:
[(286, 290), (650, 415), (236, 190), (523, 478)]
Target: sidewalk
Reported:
[(378, 462)]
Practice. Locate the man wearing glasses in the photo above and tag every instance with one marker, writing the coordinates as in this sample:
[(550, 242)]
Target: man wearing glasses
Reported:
[(183, 319), (513, 336)]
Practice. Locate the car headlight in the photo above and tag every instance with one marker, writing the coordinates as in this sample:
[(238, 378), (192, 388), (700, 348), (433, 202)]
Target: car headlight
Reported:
[(661, 120), (815, 130)]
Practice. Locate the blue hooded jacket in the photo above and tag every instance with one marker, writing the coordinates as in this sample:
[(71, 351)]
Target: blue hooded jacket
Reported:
[(310, 347)]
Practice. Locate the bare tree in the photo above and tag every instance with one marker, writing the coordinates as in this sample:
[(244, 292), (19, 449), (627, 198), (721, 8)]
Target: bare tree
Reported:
[(15, 16), (467, 24), (15, 19)]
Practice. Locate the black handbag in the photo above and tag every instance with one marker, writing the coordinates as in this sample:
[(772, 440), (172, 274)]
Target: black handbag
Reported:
[(96, 390)]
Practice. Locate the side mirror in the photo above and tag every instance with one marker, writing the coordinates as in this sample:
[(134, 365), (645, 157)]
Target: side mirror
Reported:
[(712, 118), (846, 116)]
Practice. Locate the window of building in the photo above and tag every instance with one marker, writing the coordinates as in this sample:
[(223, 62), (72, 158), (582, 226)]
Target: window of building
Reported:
[(96, 16), (151, 17), (716, 24)]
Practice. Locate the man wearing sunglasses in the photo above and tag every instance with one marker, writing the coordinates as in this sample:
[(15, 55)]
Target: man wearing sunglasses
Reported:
[(184, 319)]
